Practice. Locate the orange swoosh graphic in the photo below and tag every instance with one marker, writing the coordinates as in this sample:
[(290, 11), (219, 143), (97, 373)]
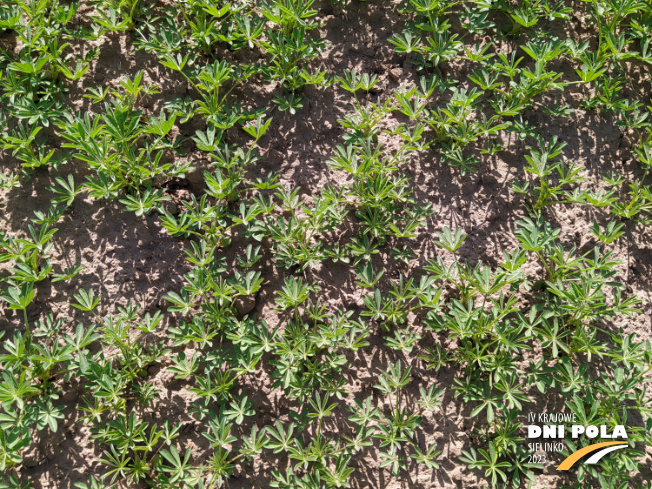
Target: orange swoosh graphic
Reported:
[(574, 457)]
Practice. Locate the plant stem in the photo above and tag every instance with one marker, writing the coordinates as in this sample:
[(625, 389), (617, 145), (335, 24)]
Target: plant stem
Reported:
[(27, 331)]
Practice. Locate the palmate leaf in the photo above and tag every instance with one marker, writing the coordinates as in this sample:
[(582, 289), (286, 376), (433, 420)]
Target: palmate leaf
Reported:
[(257, 128), (19, 297), (628, 351), (83, 337), (522, 466), (196, 331), (220, 432), (625, 306), (237, 410), (86, 301), (48, 415), (428, 457), (177, 63), (350, 81), (122, 124), (201, 255), (470, 458), (366, 275), (176, 227), (218, 186), (11, 443), (111, 20), (487, 401), (430, 399), (49, 327), (24, 273), (525, 18), (551, 337), (512, 394), (362, 438), (215, 75), (180, 469), (363, 413), (450, 242), (494, 468), (10, 18), (454, 157), (118, 461), (291, 102), (394, 378), (80, 70), (293, 293), (280, 439), (182, 302), (585, 417), (403, 340), (39, 240), (320, 407), (9, 181), (406, 42), (535, 236), (54, 213), (30, 67), (338, 476), (66, 190), (376, 307), (484, 79), (184, 367), (285, 481), (568, 379), (15, 390), (143, 204), (161, 126), (68, 273), (208, 140), (394, 461), (247, 285)]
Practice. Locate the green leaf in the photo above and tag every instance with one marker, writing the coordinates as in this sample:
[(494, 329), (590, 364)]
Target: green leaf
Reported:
[(86, 301)]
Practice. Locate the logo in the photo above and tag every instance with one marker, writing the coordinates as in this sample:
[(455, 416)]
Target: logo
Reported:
[(602, 450), (556, 431)]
